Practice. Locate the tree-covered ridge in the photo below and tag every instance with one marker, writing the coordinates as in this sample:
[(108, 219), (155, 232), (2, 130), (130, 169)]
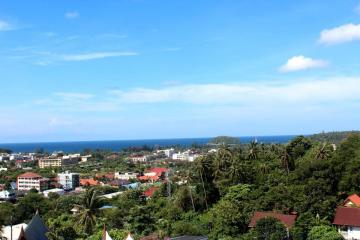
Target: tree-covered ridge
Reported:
[(217, 194), (332, 137)]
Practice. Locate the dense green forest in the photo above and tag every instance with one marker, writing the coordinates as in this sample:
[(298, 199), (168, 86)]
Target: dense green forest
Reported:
[(331, 137), (221, 192)]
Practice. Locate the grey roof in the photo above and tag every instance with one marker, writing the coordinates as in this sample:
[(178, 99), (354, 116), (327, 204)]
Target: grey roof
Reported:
[(190, 238), (36, 229)]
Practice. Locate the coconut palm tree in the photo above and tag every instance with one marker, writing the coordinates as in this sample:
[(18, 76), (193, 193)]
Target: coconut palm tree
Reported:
[(253, 150), (323, 152), (87, 209), (285, 159), (188, 179), (201, 165)]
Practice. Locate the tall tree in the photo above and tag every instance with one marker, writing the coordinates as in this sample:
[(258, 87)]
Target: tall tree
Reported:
[(88, 208)]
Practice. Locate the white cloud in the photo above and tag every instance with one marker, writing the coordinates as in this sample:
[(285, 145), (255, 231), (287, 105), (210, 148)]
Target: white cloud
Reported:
[(248, 94), (5, 26), (96, 55), (298, 63), (72, 15), (73, 96), (344, 33)]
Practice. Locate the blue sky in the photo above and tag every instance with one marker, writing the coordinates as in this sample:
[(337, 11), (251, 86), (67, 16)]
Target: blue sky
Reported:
[(136, 69)]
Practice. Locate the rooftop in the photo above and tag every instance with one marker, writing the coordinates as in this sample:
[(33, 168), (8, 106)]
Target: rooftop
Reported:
[(287, 220), (346, 216)]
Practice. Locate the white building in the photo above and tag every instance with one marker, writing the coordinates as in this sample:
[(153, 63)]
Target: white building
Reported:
[(125, 176), (29, 180), (7, 195), (3, 169), (139, 158), (54, 190), (69, 180), (185, 156), (85, 158)]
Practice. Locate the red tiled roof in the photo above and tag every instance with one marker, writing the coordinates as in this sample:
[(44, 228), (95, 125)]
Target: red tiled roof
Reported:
[(354, 198), (150, 191), (158, 171), (346, 216), (146, 178), (29, 175), (88, 182), (287, 220)]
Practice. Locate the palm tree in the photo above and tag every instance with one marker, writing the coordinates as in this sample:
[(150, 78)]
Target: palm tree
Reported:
[(87, 210), (253, 150), (188, 177), (285, 159), (201, 165), (323, 152), (222, 161)]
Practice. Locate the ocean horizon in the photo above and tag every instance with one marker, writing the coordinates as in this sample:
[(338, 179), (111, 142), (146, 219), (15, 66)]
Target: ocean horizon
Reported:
[(117, 145)]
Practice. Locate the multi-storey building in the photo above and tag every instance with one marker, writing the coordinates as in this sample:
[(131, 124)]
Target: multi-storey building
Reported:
[(57, 162), (69, 180), (30, 180)]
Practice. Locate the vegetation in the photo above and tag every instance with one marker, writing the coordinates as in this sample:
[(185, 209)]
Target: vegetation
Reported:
[(332, 137), (218, 195)]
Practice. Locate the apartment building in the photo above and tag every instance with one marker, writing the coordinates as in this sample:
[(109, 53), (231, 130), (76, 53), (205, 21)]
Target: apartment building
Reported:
[(69, 180), (30, 180), (57, 162)]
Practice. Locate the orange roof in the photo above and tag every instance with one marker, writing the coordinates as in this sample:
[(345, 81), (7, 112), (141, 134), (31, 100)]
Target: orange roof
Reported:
[(88, 182), (354, 199), (146, 178), (29, 175), (158, 171), (150, 191)]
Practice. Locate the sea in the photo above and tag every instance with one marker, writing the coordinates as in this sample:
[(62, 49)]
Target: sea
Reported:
[(118, 145)]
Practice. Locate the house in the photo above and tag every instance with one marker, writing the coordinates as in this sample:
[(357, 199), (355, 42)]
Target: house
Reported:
[(138, 158), (89, 182), (154, 174), (185, 156), (3, 169), (85, 158), (7, 195), (125, 176), (31, 180), (347, 221), (287, 220), (68, 180), (352, 201), (58, 191)]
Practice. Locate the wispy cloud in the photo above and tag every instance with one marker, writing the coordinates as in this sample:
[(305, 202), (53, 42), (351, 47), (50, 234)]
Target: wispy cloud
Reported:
[(72, 14), (311, 91), (6, 26), (298, 63), (96, 55), (73, 96), (341, 34)]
